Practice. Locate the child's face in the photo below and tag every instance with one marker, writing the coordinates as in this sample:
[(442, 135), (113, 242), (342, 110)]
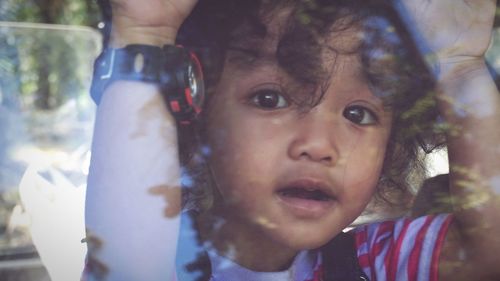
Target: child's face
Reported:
[(294, 177)]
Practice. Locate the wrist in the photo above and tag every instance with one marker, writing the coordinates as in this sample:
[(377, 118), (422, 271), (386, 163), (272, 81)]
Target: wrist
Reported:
[(123, 35), (453, 70), (464, 89)]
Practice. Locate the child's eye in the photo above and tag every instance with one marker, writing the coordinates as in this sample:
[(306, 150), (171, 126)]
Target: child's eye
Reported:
[(360, 115), (269, 99)]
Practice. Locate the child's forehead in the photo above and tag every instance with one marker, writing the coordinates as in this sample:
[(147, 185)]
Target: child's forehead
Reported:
[(284, 36), (305, 55)]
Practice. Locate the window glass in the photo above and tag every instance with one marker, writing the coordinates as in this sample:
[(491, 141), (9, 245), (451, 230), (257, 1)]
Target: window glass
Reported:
[(46, 123)]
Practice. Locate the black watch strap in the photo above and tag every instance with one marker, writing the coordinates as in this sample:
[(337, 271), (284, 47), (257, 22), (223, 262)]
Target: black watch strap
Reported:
[(132, 63)]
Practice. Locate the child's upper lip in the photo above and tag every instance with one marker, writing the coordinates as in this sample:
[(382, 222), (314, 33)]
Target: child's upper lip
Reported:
[(308, 183)]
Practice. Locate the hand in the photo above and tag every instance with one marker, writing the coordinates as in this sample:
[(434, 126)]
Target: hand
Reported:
[(148, 22), (454, 30)]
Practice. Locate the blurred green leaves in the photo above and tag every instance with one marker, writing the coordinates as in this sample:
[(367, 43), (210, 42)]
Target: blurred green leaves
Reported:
[(43, 64)]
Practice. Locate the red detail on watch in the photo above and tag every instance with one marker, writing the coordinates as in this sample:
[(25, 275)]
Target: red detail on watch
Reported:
[(174, 105), (189, 98)]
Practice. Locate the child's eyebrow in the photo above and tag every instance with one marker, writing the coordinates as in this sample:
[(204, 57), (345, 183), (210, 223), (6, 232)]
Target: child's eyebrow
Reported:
[(251, 52), (248, 56)]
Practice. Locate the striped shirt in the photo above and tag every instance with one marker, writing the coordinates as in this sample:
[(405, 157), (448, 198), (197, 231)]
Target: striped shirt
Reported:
[(402, 250)]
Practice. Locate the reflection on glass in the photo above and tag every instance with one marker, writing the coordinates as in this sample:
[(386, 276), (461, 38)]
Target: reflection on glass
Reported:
[(46, 122)]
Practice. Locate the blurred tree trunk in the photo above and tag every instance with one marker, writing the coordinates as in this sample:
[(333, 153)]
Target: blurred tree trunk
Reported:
[(43, 94), (49, 12)]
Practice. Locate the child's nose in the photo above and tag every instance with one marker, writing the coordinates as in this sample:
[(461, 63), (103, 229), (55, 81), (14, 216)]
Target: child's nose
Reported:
[(313, 140)]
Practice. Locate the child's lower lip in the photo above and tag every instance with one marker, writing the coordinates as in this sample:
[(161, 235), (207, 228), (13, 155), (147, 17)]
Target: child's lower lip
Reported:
[(305, 208)]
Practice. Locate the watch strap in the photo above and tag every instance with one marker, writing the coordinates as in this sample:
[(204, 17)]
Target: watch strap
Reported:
[(132, 63), (170, 67)]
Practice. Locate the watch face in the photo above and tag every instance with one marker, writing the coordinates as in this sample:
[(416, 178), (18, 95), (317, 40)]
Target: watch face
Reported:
[(196, 85), (183, 83)]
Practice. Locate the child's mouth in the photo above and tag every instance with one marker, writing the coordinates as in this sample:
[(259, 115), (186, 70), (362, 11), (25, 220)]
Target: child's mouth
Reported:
[(305, 193), (306, 198)]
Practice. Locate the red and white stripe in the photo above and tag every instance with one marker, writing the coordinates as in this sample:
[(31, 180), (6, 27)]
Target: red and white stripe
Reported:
[(402, 250)]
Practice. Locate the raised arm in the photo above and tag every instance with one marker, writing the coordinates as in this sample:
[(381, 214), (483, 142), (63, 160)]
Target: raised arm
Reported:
[(131, 229), (459, 33)]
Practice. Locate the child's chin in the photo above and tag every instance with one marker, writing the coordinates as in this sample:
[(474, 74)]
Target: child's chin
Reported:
[(300, 242), (310, 245)]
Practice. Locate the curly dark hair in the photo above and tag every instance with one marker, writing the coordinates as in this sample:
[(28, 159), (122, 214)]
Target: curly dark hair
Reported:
[(391, 64)]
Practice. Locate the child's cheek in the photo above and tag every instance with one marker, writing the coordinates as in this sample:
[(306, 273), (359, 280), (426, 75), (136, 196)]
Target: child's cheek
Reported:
[(363, 164)]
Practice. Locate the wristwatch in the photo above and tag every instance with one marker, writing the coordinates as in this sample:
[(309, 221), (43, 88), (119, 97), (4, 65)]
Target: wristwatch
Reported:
[(174, 69)]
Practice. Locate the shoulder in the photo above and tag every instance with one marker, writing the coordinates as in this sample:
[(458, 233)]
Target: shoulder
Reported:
[(402, 249), (379, 232)]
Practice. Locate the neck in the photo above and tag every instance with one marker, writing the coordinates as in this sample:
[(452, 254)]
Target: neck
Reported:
[(246, 245)]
